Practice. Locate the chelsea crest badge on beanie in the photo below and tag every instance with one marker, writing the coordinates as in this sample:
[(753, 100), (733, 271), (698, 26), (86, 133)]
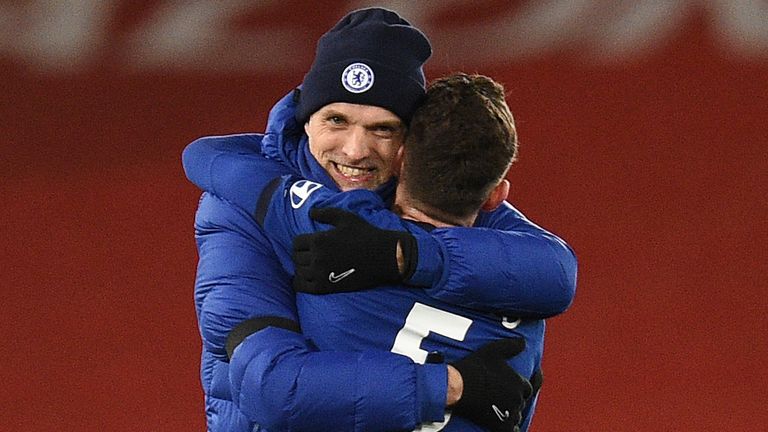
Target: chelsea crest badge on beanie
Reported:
[(370, 57)]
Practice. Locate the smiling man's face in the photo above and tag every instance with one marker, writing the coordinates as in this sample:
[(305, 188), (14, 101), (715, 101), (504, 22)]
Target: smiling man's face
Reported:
[(356, 144)]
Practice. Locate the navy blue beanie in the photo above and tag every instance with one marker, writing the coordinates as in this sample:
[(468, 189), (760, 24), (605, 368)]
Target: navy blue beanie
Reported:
[(370, 57)]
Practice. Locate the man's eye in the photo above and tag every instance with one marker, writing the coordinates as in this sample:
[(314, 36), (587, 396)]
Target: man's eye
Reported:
[(386, 131), (336, 120)]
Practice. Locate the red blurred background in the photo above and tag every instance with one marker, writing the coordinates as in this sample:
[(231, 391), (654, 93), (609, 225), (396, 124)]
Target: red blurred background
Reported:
[(643, 133)]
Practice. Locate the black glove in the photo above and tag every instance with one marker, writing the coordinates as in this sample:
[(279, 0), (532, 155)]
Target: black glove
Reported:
[(494, 395), (354, 255)]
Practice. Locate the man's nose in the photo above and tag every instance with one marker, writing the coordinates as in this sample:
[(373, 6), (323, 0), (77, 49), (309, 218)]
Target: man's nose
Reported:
[(357, 145)]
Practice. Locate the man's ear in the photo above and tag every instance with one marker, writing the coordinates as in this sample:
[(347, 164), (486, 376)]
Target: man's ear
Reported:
[(397, 162), (497, 195)]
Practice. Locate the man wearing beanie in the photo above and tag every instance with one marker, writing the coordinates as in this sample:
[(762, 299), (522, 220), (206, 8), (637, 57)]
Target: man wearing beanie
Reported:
[(373, 58), (257, 366)]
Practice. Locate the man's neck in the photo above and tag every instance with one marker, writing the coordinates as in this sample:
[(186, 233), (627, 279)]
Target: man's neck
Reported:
[(416, 211)]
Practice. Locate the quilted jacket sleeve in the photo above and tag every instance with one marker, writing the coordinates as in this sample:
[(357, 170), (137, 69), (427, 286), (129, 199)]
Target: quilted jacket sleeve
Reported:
[(510, 266), (505, 263)]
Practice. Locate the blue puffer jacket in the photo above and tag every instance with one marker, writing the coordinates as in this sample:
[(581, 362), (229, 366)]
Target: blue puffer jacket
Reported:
[(240, 277)]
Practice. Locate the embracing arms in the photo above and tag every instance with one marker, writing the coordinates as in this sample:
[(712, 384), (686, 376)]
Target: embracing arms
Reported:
[(506, 263), (513, 267)]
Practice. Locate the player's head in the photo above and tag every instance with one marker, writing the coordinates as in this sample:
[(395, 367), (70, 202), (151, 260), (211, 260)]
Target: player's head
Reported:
[(362, 89), (460, 145)]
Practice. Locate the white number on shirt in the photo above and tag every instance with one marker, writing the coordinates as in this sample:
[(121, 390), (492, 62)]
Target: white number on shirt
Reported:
[(422, 320)]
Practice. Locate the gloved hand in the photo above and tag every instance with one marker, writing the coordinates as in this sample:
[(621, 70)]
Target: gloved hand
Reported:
[(354, 255), (494, 395)]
